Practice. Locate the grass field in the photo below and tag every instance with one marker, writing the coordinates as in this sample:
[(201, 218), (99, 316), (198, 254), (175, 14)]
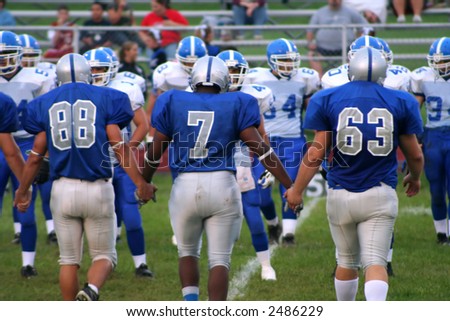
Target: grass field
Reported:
[(304, 271)]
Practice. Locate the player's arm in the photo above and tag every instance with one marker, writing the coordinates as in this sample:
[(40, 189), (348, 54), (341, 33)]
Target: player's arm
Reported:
[(267, 156), (22, 198), (127, 160), (142, 127), (153, 155), (414, 159), (262, 131), (420, 99), (308, 167), (12, 154)]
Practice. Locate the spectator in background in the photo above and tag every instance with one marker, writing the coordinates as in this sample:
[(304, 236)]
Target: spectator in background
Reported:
[(163, 16), (61, 39), (6, 18), (158, 56), (328, 41), (373, 11), (402, 7), (91, 39), (120, 15), (206, 33), (250, 12), (128, 55)]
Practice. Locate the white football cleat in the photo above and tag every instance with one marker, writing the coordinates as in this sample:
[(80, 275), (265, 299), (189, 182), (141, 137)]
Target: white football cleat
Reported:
[(268, 273)]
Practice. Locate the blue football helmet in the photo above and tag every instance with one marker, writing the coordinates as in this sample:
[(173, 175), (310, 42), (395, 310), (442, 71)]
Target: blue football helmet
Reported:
[(31, 50), (189, 50), (101, 66), (237, 66), (439, 57), (10, 52), (283, 57), (115, 61), (372, 42), (210, 71)]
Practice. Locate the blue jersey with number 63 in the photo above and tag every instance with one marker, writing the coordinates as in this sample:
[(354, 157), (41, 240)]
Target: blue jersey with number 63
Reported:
[(366, 120), (204, 127), (74, 117)]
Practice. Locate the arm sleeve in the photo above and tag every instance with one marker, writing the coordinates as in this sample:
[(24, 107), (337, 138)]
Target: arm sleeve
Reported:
[(8, 110), (31, 118), (248, 113), (316, 116), (119, 109), (412, 121), (161, 114)]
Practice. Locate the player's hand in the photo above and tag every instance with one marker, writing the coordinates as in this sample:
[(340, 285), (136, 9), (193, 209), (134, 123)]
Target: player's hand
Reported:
[(146, 192), (294, 200), (22, 200), (412, 185), (266, 179)]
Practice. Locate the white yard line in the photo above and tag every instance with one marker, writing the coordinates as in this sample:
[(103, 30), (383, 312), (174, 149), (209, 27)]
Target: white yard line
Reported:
[(241, 278)]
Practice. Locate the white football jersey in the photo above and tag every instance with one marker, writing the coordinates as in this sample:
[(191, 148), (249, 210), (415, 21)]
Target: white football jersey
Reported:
[(133, 78), (50, 68), (284, 119), (27, 84), (262, 93), (170, 75), (397, 77), (436, 91)]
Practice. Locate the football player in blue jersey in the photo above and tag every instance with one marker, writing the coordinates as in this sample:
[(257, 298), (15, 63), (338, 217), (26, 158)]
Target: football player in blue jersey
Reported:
[(397, 77), (246, 178), (31, 57), (126, 205), (364, 123), (9, 124), (431, 87), (22, 85), (205, 126), (76, 123), (292, 87)]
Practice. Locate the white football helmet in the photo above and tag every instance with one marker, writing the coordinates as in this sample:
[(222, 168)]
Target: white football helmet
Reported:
[(367, 64), (73, 68), (10, 52), (210, 71)]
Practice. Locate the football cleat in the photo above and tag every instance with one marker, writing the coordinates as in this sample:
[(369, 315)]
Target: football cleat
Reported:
[(28, 271), (87, 294), (389, 269), (268, 273), (16, 239), (51, 238), (274, 232), (288, 240), (442, 239), (143, 271)]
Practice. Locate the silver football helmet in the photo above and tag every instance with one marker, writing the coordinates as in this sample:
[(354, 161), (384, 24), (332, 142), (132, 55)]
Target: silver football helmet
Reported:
[(210, 71), (73, 68), (367, 64)]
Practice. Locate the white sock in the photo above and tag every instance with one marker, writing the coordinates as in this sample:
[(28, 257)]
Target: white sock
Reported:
[(139, 259), (50, 226), (376, 290), (28, 258), (93, 287), (273, 222), (17, 228), (190, 293), (289, 226), (441, 226), (346, 290), (264, 257)]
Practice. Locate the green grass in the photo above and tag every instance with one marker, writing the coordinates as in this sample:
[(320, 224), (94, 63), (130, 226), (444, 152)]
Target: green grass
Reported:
[(304, 271)]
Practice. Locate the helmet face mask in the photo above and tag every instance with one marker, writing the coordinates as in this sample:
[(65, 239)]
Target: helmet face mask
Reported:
[(31, 51), (189, 50), (73, 68), (439, 57), (367, 64), (237, 67), (10, 52), (210, 71), (115, 61), (283, 58), (101, 66)]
